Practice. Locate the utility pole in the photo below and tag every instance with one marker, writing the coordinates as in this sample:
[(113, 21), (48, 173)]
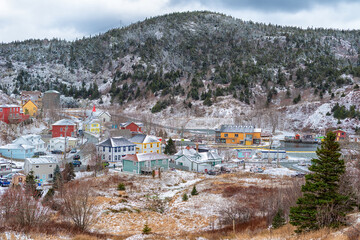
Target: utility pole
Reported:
[(66, 129)]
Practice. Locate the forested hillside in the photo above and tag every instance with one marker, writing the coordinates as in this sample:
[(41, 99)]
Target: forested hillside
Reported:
[(171, 55)]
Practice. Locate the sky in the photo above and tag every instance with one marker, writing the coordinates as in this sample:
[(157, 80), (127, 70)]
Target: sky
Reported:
[(74, 19)]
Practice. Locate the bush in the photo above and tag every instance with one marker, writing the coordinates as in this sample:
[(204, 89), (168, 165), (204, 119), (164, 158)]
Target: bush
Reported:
[(194, 191), (146, 229), (185, 197), (278, 220), (121, 187)]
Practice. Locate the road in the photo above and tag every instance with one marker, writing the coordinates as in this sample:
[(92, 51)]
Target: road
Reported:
[(293, 165)]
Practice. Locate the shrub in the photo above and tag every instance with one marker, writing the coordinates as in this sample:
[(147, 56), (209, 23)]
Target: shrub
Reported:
[(194, 191), (278, 220), (185, 197), (121, 187), (146, 229)]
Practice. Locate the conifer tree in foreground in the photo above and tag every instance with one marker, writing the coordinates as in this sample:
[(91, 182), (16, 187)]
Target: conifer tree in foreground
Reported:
[(321, 204)]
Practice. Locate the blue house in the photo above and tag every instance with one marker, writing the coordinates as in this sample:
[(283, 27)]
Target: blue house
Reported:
[(17, 151)]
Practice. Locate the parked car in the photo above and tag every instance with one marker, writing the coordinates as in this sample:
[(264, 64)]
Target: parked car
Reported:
[(299, 174), (256, 170), (76, 157), (4, 182), (73, 150), (212, 172), (302, 163), (76, 163), (37, 154), (57, 152)]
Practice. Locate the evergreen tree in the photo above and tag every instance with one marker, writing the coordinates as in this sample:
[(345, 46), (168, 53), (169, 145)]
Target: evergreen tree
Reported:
[(30, 183), (194, 191), (185, 197), (57, 179), (170, 147), (68, 173), (278, 220), (321, 204), (146, 229)]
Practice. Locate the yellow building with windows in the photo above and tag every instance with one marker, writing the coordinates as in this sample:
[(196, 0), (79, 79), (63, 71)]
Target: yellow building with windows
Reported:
[(92, 126), (30, 108), (146, 143), (233, 134)]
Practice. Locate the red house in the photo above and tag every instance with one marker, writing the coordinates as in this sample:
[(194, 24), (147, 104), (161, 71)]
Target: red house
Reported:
[(64, 128), (340, 135), (12, 113), (132, 126)]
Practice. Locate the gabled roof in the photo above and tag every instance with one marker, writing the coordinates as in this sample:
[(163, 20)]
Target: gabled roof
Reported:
[(116, 142), (187, 152), (236, 129), (125, 124), (142, 138), (42, 160), (28, 101), (8, 105), (64, 122), (16, 146), (141, 157), (30, 139), (52, 91), (210, 156)]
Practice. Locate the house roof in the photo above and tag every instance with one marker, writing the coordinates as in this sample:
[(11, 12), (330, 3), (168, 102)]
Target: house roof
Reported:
[(236, 129), (62, 139), (187, 152), (116, 142), (210, 156), (96, 114), (52, 91), (125, 124), (142, 138), (141, 157), (8, 105), (28, 101), (30, 139), (42, 160), (64, 122), (16, 146)]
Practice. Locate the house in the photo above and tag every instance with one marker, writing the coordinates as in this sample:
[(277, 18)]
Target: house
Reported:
[(18, 179), (132, 126), (58, 143), (340, 135), (145, 163), (11, 113), (30, 108), (5, 167), (113, 149), (354, 138), (92, 126), (32, 140), (43, 168), (244, 153), (63, 127), (146, 143), (233, 134), (34, 96), (198, 162), (102, 116), (17, 151)]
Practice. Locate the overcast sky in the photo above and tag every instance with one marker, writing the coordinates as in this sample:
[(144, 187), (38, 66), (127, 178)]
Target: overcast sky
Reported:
[(71, 19)]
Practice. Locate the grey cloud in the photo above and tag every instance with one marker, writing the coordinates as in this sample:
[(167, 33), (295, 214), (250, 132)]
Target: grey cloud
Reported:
[(263, 5)]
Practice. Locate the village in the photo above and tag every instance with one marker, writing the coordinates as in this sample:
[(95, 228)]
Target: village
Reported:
[(129, 147), (156, 166)]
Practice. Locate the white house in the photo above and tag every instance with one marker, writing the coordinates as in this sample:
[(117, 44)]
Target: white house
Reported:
[(113, 149), (58, 143), (5, 167), (32, 140), (43, 168), (103, 116), (198, 162)]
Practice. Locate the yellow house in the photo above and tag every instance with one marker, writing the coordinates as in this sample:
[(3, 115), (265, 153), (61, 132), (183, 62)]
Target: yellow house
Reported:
[(146, 143), (233, 134), (92, 126), (30, 108)]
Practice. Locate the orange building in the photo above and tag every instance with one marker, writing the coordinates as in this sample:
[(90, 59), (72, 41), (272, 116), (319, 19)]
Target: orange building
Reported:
[(233, 134), (340, 135)]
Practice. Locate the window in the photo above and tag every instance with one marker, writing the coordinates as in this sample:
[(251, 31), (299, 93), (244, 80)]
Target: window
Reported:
[(37, 166), (342, 133), (134, 163), (119, 149), (144, 145), (226, 135), (157, 151), (124, 149), (115, 149), (50, 175), (50, 165), (132, 148), (37, 176), (236, 135), (0, 109), (129, 148), (109, 149), (103, 149), (151, 145), (109, 157), (157, 145), (103, 156), (60, 129), (115, 157)]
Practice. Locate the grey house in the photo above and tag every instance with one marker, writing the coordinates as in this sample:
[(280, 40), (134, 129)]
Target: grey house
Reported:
[(115, 148)]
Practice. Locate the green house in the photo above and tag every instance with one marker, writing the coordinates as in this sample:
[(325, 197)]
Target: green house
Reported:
[(145, 163)]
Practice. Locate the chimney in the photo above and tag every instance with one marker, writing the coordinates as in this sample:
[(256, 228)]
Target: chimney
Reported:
[(197, 147)]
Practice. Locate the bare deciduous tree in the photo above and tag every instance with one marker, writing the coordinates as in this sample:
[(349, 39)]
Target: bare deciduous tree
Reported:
[(78, 205), (95, 161)]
